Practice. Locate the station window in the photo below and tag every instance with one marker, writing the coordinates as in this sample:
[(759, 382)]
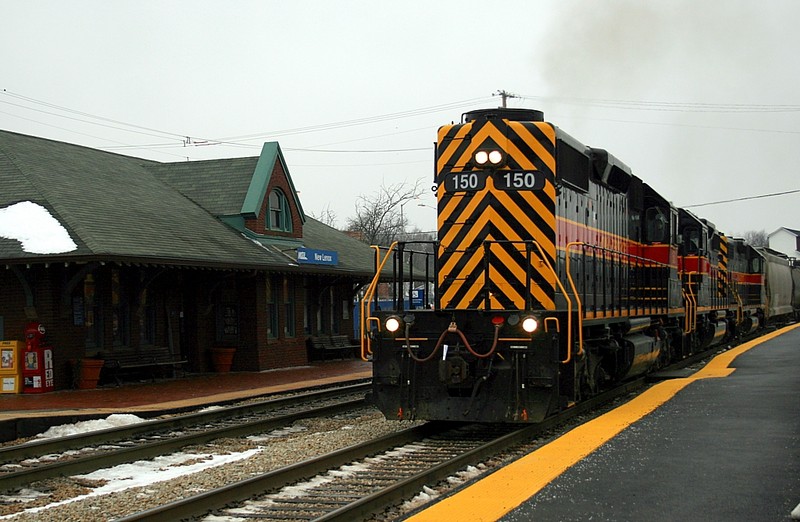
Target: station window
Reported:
[(289, 329), (147, 320), (89, 314), (272, 290), (279, 216), (120, 319)]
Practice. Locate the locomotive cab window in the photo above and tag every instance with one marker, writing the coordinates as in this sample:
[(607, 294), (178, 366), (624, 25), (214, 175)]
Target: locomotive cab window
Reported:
[(657, 226), (693, 241)]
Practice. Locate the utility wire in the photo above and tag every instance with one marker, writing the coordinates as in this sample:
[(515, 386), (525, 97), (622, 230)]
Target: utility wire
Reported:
[(741, 199), (235, 141), (358, 151), (356, 122), (93, 136), (653, 105), (86, 114)]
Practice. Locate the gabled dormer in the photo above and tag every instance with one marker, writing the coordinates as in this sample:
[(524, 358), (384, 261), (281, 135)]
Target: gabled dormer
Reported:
[(271, 207), (271, 211)]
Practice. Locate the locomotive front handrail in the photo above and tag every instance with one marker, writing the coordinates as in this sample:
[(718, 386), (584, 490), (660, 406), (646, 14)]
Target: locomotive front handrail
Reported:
[(569, 305), (691, 306), (740, 305), (366, 348), (577, 296)]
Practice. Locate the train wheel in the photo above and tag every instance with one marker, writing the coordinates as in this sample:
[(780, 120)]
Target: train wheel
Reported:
[(592, 376)]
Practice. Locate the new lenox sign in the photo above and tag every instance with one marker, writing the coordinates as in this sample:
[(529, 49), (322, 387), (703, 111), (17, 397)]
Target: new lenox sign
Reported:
[(317, 257)]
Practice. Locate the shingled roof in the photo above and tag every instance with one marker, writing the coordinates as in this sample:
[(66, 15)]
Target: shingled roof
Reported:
[(129, 209)]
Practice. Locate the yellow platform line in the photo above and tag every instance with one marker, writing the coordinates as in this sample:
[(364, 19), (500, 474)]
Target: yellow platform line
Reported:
[(498, 493)]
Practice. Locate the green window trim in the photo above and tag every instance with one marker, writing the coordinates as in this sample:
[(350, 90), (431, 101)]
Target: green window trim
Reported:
[(279, 214)]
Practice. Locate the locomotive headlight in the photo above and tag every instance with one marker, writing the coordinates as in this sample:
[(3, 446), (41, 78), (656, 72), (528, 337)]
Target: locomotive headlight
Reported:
[(530, 324), (492, 157), (392, 323)]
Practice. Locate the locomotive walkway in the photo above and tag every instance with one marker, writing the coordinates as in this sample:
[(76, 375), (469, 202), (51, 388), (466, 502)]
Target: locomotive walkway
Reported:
[(723, 444)]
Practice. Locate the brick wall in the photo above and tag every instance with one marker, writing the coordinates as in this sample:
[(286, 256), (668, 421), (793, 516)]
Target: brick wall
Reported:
[(258, 225)]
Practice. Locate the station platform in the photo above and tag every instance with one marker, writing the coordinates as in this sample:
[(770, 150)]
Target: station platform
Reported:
[(720, 445), (26, 414)]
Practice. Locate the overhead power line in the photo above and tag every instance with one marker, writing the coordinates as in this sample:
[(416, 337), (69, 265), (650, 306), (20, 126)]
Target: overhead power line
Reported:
[(117, 123), (653, 105), (359, 151), (355, 122), (742, 199), (187, 139)]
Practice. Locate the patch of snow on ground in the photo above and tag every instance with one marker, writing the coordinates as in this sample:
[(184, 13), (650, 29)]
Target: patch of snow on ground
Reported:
[(146, 472), (112, 421)]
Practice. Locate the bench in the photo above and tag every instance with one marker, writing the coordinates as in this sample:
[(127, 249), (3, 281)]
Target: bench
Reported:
[(338, 345), (150, 359)]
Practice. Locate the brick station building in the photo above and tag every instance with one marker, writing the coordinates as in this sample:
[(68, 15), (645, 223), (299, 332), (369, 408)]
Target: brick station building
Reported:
[(185, 256)]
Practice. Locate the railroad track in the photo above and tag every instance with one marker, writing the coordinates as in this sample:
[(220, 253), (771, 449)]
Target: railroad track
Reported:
[(379, 488), (357, 482), (22, 464)]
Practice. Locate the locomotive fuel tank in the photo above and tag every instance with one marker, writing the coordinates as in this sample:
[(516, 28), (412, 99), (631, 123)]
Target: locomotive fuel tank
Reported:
[(643, 353), (749, 324)]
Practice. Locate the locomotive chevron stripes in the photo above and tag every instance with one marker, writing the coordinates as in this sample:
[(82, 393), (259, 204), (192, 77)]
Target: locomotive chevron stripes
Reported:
[(494, 228)]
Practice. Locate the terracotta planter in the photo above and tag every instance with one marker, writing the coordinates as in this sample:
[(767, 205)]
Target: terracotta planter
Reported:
[(222, 359), (89, 373)]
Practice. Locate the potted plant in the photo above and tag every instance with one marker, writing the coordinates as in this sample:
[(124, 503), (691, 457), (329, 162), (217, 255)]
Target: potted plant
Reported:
[(222, 358), (86, 372)]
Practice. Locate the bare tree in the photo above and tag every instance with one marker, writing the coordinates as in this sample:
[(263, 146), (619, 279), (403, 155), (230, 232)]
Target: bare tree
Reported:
[(757, 238), (379, 218), (327, 216)]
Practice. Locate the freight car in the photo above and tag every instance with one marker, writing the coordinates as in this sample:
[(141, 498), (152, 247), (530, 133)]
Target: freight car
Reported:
[(556, 273), (781, 296)]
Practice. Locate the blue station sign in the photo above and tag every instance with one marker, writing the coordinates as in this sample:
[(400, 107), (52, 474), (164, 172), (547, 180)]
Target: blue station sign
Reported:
[(310, 256)]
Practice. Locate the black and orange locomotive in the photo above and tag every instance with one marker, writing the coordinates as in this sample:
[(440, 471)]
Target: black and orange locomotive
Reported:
[(556, 273)]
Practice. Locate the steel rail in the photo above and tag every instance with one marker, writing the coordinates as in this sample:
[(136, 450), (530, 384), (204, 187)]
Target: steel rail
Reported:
[(105, 436), (272, 481), (148, 450), (276, 479), (370, 504)]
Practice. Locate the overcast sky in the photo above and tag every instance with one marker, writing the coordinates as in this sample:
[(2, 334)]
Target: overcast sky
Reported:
[(700, 99)]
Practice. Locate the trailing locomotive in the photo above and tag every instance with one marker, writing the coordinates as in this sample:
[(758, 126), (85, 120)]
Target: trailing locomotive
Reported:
[(556, 273)]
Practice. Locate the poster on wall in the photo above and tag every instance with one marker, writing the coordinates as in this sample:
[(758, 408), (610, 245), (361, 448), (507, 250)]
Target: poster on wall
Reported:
[(230, 320), (77, 311)]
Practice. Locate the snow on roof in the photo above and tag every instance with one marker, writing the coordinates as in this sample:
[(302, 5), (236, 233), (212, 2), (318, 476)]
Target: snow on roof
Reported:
[(34, 227)]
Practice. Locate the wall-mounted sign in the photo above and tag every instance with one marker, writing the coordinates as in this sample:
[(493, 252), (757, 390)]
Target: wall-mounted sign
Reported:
[(311, 256)]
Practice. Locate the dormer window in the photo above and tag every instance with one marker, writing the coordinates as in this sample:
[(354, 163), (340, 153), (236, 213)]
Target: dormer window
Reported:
[(279, 217)]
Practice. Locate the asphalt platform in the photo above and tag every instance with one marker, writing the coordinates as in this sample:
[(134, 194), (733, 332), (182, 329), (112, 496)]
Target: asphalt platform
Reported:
[(720, 445)]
